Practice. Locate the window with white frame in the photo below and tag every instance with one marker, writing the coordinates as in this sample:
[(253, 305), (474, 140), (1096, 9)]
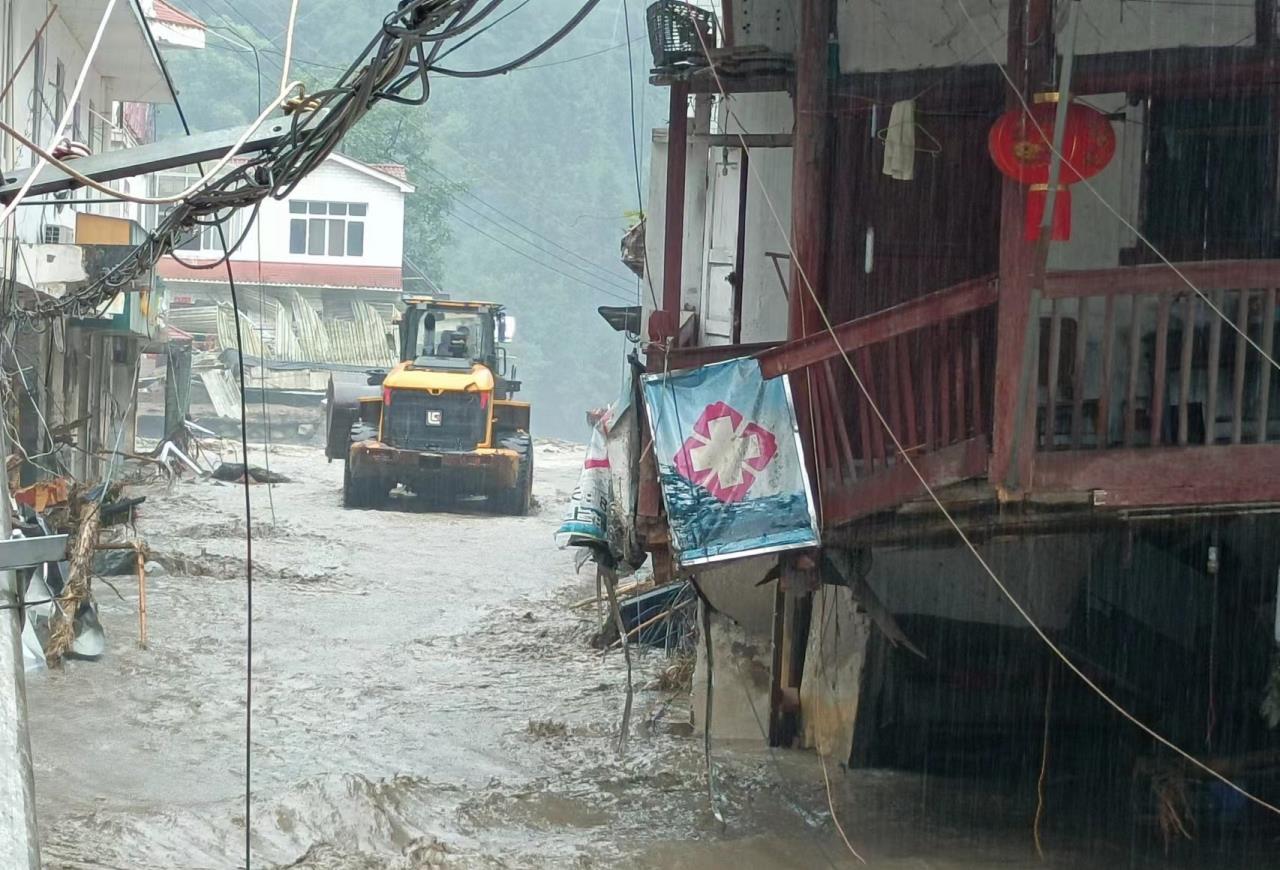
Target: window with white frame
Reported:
[(207, 239), (327, 229), (174, 181)]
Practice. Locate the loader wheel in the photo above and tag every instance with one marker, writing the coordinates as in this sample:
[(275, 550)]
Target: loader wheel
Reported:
[(359, 493), (517, 500)]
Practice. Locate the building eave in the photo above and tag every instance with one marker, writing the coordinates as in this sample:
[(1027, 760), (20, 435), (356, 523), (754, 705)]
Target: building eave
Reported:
[(289, 274), (373, 172)]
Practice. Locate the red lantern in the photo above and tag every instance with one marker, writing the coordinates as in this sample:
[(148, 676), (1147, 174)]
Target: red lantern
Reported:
[(1021, 150)]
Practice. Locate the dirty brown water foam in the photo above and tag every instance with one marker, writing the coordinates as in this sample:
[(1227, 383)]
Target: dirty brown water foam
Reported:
[(429, 699)]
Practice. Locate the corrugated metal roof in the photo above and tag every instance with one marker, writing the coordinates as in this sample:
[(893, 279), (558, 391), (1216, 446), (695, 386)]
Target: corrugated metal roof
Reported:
[(224, 393), (294, 331)]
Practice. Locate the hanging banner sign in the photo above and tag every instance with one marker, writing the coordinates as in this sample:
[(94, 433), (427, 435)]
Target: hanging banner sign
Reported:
[(729, 462)]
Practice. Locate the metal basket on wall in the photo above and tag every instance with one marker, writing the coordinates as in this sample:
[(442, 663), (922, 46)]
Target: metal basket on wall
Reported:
[(674, 29)]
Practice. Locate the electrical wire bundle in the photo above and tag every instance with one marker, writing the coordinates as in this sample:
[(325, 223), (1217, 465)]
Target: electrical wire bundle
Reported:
[(402, 53)]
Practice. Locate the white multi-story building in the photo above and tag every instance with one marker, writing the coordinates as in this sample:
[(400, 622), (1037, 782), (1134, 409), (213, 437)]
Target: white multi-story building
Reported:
[(79, 369), (339, 237)]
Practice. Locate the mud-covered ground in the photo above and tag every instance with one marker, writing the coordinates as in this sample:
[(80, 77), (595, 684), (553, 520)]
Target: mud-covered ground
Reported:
[(423, 696)]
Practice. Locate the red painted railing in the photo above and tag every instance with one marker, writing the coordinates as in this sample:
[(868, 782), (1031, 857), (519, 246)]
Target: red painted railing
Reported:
[(1132, 357), (1144, 395), (927, 367)]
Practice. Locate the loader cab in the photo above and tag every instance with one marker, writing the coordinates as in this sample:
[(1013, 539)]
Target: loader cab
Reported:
[(443, 335)]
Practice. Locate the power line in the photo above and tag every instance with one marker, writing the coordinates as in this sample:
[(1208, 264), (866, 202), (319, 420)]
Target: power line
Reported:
[(612, 282), (537, 51), (482, 31), (635, 153), (248, 507), (581, 56), (472, 167), (269, 48), (535, 260), (605, 273)]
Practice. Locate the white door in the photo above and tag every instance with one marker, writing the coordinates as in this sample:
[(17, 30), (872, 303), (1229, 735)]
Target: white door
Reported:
[(721, 246)]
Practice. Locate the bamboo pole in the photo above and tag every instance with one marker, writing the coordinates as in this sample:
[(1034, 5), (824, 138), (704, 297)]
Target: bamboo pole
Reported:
[(80, 560), (141, 556)]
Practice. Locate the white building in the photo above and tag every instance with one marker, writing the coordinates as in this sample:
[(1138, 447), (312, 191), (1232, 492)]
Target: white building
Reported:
[(339, 237), (86, 366)]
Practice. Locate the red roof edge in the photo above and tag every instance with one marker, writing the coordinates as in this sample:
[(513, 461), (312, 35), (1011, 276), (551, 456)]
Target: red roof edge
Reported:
[(172, 15), (397, 170), (302, 274)]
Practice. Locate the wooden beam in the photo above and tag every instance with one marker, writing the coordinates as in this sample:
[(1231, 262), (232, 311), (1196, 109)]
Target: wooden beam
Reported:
[(752, 140), (810, 169), (740, 242), (1159, 278), (893, 485), (1179, 71), (810, 204), (1165, 476), (693, 357), (703, 82), (851, 335), (978, 86), (673, 231), (1029, 54)]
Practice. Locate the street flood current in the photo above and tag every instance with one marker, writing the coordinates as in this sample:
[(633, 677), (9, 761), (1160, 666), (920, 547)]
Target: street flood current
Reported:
[(424, 695)]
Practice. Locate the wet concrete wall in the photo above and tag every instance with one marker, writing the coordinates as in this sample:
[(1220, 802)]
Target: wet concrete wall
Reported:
[(833, 668), (741, 652)]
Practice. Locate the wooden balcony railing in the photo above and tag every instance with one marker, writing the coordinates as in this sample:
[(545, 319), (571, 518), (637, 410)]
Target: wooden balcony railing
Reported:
[(1132, 357), (1145, 395), (928, 367)]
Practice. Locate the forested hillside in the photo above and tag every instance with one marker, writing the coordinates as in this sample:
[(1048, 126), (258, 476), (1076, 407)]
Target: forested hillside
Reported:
[(525, 182)]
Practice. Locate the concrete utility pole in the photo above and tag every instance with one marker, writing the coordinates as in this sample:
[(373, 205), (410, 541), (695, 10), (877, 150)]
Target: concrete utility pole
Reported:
[(19, 841), (19, 838)]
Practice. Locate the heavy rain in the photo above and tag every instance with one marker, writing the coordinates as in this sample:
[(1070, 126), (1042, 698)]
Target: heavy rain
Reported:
[(594, 433)]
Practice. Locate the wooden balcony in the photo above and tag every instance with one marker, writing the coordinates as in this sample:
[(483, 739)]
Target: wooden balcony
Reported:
[(928, 366), (1144, 397), (1149, 397)]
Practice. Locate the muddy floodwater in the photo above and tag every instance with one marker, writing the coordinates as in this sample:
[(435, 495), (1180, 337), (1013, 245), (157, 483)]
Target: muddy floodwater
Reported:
[(423, 696)]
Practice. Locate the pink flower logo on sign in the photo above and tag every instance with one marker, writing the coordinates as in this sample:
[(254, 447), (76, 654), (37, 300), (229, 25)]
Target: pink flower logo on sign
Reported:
[(725, 454)]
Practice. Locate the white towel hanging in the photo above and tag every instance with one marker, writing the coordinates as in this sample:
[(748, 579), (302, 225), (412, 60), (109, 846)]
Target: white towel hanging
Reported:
[(900, 141)]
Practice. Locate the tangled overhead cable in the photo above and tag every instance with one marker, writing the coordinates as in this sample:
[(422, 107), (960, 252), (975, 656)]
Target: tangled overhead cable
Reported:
[(402, 52)]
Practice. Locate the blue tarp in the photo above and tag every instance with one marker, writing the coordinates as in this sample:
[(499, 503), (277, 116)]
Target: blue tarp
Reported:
[(729, 461)]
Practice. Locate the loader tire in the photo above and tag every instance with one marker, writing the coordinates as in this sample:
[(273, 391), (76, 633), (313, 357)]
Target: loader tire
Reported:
[(359, 493), (517, 500)]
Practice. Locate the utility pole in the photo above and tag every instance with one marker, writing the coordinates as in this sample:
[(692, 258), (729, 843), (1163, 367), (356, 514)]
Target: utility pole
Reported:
[(19, 838)]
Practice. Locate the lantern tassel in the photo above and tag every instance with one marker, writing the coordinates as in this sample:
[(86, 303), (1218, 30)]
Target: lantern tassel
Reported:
[(1061, 228)]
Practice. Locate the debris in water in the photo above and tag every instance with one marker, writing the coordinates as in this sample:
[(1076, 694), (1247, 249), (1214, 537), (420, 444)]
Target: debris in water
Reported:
[(547, 728), (233, 472)]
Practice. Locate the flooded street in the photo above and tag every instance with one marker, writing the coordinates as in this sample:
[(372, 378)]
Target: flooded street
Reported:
[(423, 695)]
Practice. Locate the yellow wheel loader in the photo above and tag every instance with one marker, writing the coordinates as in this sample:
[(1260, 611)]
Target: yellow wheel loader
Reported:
[(442, 423)]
